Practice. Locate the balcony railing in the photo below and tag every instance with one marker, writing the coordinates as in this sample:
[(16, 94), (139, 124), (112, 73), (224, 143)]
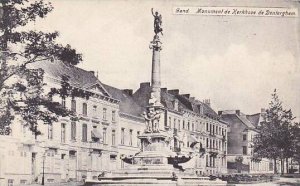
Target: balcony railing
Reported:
[(98, 146)]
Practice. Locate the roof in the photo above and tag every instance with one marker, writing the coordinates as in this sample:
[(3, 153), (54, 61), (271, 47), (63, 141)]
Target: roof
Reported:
[(127, 103), (194, 106), (229, 115), (77, 76), (254, 119)]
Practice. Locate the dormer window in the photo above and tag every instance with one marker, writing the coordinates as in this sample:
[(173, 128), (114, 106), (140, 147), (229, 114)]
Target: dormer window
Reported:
[(175, 105)]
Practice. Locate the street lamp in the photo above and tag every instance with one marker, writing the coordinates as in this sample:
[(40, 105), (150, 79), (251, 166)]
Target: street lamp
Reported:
[(43, 175)]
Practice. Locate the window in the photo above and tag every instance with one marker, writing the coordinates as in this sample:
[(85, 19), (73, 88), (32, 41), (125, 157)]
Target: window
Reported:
[(113, 137), (188, 126), (73, 130), (244, 150), (23, 182), (183, 123), (170, 122), (122, 163), (178, 124), (10, 182), (122, 136), (244, 137), (113, 115), (50, 131), (207, 127), (130, 137), (176, 105), (94, 108), (174, 123), (104, 135), (138, 140), (206, 160), (73, 105), (84, 109), (104, 113), (95, 135), (63, 132), (207, 143), (72, 154), (113, 157), (84, 132), (63, 102), (193, 127)]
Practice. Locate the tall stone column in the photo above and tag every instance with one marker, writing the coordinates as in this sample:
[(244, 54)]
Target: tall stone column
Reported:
[(155, 45)]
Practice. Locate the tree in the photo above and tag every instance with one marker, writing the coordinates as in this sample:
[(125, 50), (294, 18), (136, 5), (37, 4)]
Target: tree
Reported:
[(275, 139), (21, 88), (296, 133)]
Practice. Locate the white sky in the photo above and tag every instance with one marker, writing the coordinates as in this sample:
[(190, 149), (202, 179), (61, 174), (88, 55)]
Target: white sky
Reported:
[(236, 62)]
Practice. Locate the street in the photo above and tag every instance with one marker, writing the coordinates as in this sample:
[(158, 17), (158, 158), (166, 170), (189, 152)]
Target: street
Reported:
[(280, 182)]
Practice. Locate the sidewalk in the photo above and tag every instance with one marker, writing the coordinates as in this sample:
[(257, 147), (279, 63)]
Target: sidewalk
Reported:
[(59, 184)]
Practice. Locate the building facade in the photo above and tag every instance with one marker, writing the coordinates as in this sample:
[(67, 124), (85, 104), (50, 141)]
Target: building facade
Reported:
[(107, 125), (72, 150), (243, 129), (192, 121)]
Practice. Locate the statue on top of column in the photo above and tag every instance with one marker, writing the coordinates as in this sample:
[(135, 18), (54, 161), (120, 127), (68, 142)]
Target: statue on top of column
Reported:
[(157, 22)]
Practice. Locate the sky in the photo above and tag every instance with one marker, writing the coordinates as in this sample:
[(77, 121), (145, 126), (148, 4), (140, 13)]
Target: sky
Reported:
[(236, 62)]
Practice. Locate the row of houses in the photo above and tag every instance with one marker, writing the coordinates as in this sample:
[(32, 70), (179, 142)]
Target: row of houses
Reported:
[(108, 125)]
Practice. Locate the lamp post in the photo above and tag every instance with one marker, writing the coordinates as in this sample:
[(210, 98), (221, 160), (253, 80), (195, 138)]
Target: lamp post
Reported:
[(43, 175)]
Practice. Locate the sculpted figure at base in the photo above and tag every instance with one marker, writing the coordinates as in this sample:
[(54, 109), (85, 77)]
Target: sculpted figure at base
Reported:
[(152, 117)]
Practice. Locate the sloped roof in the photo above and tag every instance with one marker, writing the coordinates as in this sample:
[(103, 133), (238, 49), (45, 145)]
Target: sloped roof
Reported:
[(77, 76), (193, 105), (127, 103), (245, 120), (207, 110), (168, 100), (254, 119), (229, 115)]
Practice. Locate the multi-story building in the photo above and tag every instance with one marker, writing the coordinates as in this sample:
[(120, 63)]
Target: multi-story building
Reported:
[(192, 121), (243, 129), (107, 127)]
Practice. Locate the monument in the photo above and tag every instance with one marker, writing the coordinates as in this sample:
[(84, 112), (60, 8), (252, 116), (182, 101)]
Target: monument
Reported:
[(156, 163)]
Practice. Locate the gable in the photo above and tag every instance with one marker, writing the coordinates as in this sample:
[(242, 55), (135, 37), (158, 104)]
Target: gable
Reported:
[(97, 88)]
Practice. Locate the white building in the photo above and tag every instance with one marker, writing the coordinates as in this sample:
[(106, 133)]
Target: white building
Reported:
[(73, 150)]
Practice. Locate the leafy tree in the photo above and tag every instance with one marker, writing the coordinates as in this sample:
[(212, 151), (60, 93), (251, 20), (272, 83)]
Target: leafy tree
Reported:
[(275, 140), (296, 133), (21, 88)]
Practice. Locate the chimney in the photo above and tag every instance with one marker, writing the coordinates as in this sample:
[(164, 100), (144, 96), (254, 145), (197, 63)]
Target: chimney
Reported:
[(262, 110), (174, 92), (186, 95), (144, 85), (207, 102), (93, 72), (238, 112), (192, 98), (164, 89), (220, 112), (128, 91)]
